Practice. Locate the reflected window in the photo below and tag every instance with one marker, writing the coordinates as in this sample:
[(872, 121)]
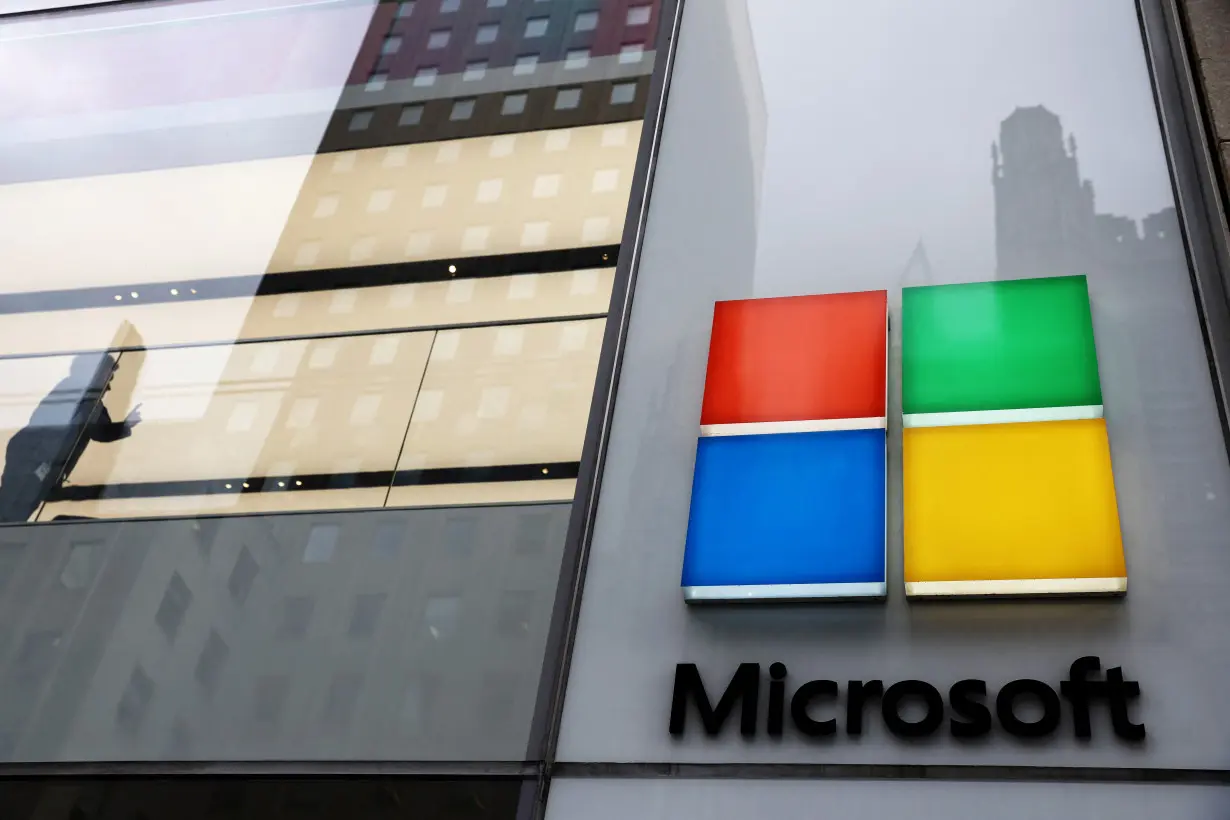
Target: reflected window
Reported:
[(513, 104), (475, 70), (631, 53), (210, 662), (242, 575), (638, 15), (441, 616), (532, 532), (134, 702), (175, 602), (296, 616), (498, 698), (179, 741), (449, 5), (567, 99), (623, 93), (460, 533), (391, 44), (525, 64), (342, 697), (388, 540), (366, 615), (496, 4), (37, 655), (586, 21), (514, 613), (410, 115), (486, 33), (462, 110), (418, 703), (78, 570), (426, 76), (377, 81), (361, 120), (206, 530), (577, 58), (536, 27), (438, 39), (269, 697), (405, 8), (321, 542)]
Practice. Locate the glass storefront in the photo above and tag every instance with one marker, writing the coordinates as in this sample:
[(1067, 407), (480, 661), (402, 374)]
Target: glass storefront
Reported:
[(310, 256), (300, 322)]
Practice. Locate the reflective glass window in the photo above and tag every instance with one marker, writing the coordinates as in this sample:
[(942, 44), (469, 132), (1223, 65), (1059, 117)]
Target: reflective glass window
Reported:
[(299, 336)]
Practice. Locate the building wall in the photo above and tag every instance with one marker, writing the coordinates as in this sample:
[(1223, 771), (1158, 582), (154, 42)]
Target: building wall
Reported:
[(1042, 157), (1208, 26)]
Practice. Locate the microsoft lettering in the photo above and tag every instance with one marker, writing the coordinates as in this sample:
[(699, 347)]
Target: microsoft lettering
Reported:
[(967, 703)]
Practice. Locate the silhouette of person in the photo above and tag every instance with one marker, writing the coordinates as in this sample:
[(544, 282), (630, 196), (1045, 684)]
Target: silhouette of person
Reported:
[(41, 454)]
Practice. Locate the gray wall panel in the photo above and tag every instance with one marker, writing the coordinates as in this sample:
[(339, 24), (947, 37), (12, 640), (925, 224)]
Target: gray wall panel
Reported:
[(879, 174)]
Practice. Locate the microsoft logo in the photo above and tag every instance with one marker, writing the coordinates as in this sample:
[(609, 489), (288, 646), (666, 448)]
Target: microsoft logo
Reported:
[(788, 493), (1006, 487)]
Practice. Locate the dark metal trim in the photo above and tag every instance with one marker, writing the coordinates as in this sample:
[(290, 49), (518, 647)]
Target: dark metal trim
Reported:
[(1200, 202), (860, 771), (241, 485), (557, 657), (313, 281), (307, 770)]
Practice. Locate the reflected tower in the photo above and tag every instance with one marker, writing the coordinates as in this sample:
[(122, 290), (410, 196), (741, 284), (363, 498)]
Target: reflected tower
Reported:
[(1044, 215), (1047, 224)]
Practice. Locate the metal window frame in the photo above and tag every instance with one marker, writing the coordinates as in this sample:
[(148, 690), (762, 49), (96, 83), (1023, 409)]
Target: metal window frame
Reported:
[(548, 712), (1195, 179)]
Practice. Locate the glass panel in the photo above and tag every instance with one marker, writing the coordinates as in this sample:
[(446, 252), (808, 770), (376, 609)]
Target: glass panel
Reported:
[(248, 243), (285, 641)]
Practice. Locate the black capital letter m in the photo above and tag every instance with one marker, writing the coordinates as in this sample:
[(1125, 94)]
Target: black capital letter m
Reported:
[(745, 684)]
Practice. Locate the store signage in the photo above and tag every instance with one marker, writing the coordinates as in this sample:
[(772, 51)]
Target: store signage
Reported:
[(1006, 480), (1007, 485), (788, 493), (1023, 708)]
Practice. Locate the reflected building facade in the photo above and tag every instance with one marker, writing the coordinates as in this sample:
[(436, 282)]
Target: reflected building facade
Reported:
[(366, 268), (1047, 224), (354, 260)]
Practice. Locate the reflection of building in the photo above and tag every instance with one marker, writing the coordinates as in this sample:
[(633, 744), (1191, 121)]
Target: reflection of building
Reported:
[(398, 634), (441, 69), (1047, 225), (1045, 220), (442, 251)]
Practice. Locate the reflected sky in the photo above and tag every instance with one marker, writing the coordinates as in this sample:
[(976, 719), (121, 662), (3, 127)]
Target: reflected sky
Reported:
[(853, 181)]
